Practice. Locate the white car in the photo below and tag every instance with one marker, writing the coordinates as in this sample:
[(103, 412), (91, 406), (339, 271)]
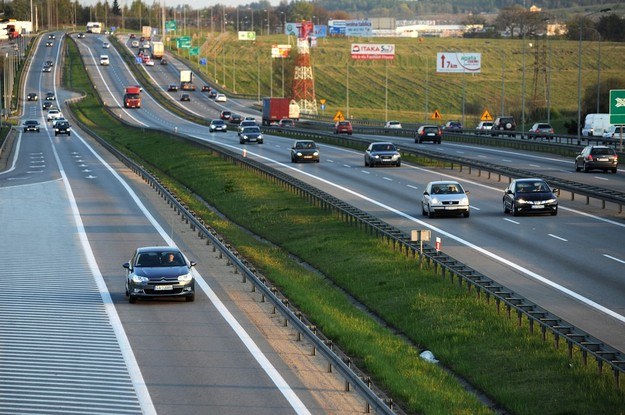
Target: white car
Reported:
[(104, 60), (445, 197), (134, 44), (53, 115), (106, 45), (484, 126), (614, 132), (221, 98), (392, 124), (149, 63)]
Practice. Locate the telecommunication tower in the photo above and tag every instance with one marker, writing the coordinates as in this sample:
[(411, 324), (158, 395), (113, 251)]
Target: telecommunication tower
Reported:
[(303, 79)]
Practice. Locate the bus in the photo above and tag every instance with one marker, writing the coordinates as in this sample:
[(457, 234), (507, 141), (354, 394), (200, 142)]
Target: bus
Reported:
[(94, 27)]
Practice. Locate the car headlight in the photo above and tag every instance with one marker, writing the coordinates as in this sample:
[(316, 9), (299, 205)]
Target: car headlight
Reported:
[(551, 201), (299, 154), (376, 156), (139, 280), (245, 136), (434, 200), (521, 200), (185, 279), (395, 156), (464, 201), (316, 153)]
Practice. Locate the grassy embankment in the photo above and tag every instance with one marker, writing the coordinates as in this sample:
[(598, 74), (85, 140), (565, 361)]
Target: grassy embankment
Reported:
[(412, 77), (518, 370)]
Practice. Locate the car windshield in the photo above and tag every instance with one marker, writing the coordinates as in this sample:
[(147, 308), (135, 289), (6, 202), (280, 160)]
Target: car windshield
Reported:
[(383, 147), (251, 130), (218, 122), (159, 259), (447, 188), (305, 144), (530, 187)]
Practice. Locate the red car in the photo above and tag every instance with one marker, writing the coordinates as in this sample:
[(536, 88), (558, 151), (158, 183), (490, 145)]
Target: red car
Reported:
[(343, 127)]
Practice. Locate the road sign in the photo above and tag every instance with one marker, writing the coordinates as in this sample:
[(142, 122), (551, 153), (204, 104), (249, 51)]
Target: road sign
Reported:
[(454, 62), (170, 25), (184, 42), (436, 115), (194, 51), (617, 106), (322, 101), (339, 116), (486, 116)]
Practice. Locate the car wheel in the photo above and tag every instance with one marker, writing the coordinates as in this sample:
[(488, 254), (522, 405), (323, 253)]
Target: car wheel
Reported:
[(260, 142), (505, 208), (614, 170), (586, 169), (466, 214), (431, 214), (241, 141), (554, 213), (399, 164), (423, 212), (132, 299), (513, 210), (577, 168), (190, 298)]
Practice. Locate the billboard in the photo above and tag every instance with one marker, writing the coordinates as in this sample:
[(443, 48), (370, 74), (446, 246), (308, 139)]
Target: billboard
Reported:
[(456, 62), (280, 51), (370, 51), (247, 35), (358, 28)]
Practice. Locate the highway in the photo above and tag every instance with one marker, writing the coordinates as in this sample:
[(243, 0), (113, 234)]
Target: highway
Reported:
[(570, 264), (73, 216), (91, 210)]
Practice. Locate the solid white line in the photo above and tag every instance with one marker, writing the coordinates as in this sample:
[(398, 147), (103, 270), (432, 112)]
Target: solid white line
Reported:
[(411, 186), (529, 273), (511, 221), (142, 390), (613, 258), (557, 237), (388, 178), (602, 178)]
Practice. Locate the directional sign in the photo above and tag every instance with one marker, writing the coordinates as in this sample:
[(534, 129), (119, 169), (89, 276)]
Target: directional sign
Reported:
[(183, 42), (486, 116), (617, 106), (170, 25), (436, 115), (339, 116), (454, 62), (194, 51)]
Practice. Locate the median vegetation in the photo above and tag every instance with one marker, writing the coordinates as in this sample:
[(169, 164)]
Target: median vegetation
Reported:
[(357, 276)]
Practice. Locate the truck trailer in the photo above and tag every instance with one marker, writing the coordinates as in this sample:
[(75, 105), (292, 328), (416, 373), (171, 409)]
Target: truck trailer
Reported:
[(132, 97), (186, 81), (158, 50), (275, 109)]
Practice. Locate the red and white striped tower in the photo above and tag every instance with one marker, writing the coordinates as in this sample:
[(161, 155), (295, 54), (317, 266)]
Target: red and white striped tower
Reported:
[(303, 79)]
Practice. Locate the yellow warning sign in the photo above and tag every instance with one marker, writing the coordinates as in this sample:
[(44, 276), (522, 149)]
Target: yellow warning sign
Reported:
[(486, 116), (322, 101), (339, 116), (436, 115)]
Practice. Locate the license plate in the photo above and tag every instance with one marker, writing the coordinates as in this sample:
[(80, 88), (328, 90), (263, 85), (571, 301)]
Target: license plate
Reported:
[(430, 134), (163, 287), (602, 159), (538, 206), (307, 157)]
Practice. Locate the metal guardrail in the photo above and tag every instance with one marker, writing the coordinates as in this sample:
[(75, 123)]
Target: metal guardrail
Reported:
[(588, 191), (604, 354)]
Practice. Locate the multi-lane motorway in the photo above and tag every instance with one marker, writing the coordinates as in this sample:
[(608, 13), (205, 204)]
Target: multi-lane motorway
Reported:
[(91, 216)]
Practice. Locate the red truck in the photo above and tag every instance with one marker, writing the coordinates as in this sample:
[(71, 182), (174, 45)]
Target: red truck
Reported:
[(132, 97), (275, 109)]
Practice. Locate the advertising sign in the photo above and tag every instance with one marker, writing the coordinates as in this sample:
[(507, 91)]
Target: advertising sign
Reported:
[(321, 30), (336, 27), (247, 35), (360, 28), (455, 62), (371, 51), (280, 51), (291, 29)]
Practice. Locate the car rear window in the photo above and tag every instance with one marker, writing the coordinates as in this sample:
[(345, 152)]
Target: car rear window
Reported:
[(602, 151), (430, 129)]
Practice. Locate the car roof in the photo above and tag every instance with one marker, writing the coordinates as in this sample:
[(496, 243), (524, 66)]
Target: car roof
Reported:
[(158, 249), (529, 179), (444, 182), (218, 121)]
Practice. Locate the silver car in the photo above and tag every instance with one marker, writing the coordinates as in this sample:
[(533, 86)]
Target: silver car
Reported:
[(445, 197), (382, 153)]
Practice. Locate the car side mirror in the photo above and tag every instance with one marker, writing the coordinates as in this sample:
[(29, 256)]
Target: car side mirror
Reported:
[(556, 191), (126, 265), (466, 192), (193, 263), (508, 191), (426, 194)]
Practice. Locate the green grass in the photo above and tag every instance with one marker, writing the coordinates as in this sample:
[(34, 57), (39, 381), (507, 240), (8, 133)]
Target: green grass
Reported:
[(414, 68), (516, 369)]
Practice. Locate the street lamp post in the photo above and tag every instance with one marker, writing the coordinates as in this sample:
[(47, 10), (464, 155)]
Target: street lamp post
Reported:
[(579, 73), (268, 31)]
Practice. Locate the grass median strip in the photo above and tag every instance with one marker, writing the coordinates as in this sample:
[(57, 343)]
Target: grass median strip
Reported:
[(518, 370)]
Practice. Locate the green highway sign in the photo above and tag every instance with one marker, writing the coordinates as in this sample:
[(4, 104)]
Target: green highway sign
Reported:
[(184, 42), (194, 51), (617, 106), (170, 25)]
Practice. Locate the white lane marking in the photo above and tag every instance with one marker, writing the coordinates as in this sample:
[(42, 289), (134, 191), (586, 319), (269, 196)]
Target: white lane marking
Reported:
[(346, 165), (330, 161), (411, 186), (506, 160), (614, 259), (512, 221), (473, 207), (534, 165), (15, 154), (601, 178), (388, 178), (527, 272), (135, 372), (558, 237), (365, 171)]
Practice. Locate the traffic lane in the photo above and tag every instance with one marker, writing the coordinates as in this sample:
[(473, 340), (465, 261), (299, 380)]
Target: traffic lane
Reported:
[(184, 343), (496, 248), (538, 163)]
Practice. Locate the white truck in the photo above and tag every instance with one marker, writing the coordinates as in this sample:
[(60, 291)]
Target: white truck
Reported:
[(595, 125), (146, 32), (158, 50), (186, 81)]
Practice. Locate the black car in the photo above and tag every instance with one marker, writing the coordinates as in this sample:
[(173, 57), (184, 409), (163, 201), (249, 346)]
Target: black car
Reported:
[(382, 153), (49, 63), (31, 125), (453, 126), (164, 61), (49, 44), (504, 123), (62, 127), (50, 96), (159, 271), (428, 133), (304, 150), (206, 88), (47, 105), (235, 118), (212, 93), (32, 97), (250, 134), (172, 87), (46, 69), (597, 158), (81, 35), (185, 97), (530, 196), (51, 36), (225, 115)]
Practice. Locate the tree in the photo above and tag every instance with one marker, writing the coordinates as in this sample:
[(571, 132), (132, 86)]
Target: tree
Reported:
[(116, 10), (611, 28)]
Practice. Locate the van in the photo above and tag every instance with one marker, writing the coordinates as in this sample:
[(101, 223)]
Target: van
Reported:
[(595, 125), (104, 60)]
